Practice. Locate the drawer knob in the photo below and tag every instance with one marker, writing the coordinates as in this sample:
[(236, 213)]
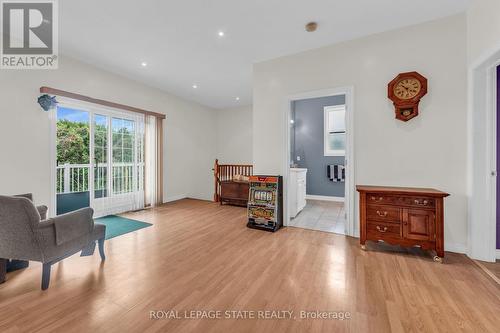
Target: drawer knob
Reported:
[(381, 230), (377, 199), (379, 213), (423, 202)]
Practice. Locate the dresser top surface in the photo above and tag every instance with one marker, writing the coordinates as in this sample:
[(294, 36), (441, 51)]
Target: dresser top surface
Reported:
[(401, 190)]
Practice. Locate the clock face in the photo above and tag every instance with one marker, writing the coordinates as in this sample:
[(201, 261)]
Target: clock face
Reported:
[(407, 88)]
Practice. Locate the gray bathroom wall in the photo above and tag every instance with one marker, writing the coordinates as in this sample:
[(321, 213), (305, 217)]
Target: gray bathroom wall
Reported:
[(307, 144)]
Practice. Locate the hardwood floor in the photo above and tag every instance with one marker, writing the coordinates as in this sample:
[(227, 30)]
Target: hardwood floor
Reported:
[(491, 268), (200, 256)]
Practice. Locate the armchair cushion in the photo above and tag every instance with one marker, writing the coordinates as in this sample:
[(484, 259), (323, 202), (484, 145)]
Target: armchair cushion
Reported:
[(74, 225)]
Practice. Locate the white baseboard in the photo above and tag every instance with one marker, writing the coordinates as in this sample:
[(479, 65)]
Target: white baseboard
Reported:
[(324, 198), (457, 248), (175, 198), (498, 254), (201, 197)]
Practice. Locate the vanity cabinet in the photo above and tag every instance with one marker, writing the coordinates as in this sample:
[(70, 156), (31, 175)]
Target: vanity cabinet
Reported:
[(297, 190)]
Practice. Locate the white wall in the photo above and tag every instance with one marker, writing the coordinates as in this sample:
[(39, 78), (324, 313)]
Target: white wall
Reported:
[(234, 135), (483, 28), (24, 129), (428, 151)]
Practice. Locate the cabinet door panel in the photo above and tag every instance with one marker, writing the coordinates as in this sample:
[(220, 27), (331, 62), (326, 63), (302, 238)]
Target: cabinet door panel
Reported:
[(418, 224), (301, 195)]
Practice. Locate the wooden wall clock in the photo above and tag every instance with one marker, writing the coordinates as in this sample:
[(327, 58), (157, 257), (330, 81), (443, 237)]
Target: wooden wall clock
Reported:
[(406, 91)]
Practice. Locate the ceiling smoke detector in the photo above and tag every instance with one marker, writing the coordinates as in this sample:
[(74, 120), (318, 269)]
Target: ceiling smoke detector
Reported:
[(311, 26)]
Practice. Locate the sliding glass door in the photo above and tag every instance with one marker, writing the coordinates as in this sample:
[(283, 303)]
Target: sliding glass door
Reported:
[(110, 167)]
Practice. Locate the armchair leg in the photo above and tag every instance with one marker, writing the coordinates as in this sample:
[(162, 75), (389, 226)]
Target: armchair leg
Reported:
[(46, 276), (101, 248)]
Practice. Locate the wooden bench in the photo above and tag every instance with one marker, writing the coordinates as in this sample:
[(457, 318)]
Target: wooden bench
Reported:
[(226, 189)]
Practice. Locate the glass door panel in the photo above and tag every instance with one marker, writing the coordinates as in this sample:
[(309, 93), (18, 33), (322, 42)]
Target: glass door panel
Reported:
[(73, 160), (124, 156), (101, 169)]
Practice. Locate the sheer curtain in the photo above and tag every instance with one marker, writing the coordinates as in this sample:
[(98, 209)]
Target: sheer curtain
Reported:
[(150, 158), (154, 161)]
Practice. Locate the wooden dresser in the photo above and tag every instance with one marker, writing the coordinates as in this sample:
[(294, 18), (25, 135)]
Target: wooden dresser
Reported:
[(403, 216), (234, 192)]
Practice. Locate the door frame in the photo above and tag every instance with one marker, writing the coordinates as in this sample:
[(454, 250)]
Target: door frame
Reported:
[(92, 109), (350, 187), (482, 166)]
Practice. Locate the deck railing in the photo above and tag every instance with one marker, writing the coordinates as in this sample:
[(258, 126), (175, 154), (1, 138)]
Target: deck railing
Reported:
[(73, 178)]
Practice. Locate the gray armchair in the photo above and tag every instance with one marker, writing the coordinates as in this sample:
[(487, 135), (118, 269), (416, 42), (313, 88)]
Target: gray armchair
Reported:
[(26, 235)]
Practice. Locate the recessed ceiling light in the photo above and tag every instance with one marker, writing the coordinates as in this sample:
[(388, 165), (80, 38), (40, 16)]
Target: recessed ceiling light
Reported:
[(144, 64), (221, 33), (195, 86), (237, 98)]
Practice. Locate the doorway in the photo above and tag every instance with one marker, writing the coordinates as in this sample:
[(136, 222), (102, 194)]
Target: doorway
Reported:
[(482, 161), (497, 166), (319, 175), (99, 159)]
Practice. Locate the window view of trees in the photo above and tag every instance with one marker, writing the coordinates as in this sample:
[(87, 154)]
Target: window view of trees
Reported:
[(73, 142)]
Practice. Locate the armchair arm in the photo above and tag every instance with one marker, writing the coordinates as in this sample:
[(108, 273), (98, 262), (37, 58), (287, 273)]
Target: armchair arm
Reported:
[(70, 226), (42, 210)]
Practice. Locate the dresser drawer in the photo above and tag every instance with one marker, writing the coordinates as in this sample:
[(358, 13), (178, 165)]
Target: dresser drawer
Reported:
[(421, 202), (413, 201), (384, 213), (379, 230), (380, 199)]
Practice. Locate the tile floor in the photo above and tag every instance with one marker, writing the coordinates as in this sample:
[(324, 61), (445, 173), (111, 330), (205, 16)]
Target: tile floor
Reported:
[(321, 215)]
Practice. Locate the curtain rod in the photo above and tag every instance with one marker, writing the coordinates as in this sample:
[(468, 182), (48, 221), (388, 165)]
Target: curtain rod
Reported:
[(57, 92)]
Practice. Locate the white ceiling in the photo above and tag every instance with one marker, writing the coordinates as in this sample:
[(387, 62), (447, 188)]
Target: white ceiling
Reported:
[(180, 43)]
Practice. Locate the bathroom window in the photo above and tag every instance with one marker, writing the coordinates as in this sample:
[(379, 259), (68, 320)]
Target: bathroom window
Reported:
[(335, 134)]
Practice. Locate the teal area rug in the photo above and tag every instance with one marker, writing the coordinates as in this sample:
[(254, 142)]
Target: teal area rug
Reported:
[(117, 225)]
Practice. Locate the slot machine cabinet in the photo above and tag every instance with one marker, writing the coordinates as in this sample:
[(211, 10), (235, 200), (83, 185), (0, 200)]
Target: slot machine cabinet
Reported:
[(265, 203)]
